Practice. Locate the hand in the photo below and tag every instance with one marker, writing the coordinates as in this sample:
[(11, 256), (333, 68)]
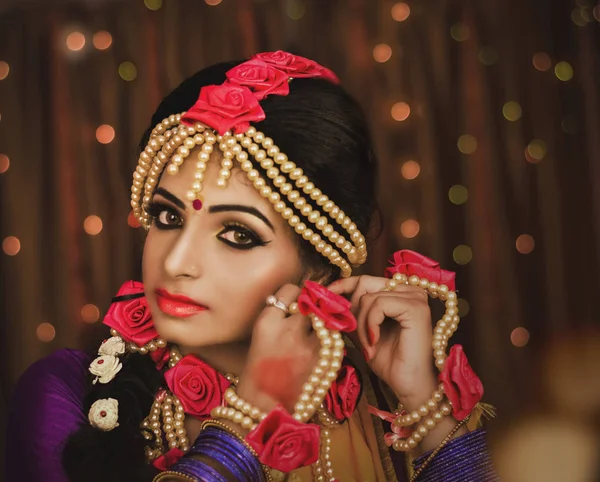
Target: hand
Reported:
[(395, 332), (283, 352)]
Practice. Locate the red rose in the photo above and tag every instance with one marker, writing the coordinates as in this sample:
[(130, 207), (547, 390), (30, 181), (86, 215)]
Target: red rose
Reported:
[(164, 462), (462, 387), (410, 263), (333, 309), (225, 107), (283, 443), (296, 66), (262, 78), (198, 386), (343, 395), (131, 316), (160, 357)]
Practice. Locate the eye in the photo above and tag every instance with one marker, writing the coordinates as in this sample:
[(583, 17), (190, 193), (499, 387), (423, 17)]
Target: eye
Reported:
[(165, 217), (240, 237)]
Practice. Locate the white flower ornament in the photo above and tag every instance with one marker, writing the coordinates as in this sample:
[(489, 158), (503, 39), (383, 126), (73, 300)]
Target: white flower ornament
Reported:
[(105, 368), (113, 346), (104, 414)]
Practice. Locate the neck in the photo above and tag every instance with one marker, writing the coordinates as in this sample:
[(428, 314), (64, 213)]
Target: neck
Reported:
[(225, 358)]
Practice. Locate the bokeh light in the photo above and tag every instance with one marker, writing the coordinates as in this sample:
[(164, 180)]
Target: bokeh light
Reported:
[(459, 32), (542, 61), (4, 163), (400, 111), (90, 313), (75, 41), (458, 194), (11, 245), (563, 71), (488, 56), (382, 53), (105, 134), (92, 225), (153, 4), (410, 228), (467, 144), (596, 12), (295, 9), (127, 71), (569, 125), (400, 11), (45, 332), (410, 170), (132, 221), (535, 151), (525, 244), (4, 70), (214, 3), (512, 111), (462, 254), (581, 16), (463, 307), (102, 40), (519, 337)]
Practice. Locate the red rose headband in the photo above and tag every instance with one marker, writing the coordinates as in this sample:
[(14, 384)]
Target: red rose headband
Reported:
[(222, 116)]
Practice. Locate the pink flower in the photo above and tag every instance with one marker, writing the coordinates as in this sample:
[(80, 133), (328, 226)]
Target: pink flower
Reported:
[(225, 107), (411, 263), (164, 462), (342, 398), (333, 309), (262, 78), (296, 66)]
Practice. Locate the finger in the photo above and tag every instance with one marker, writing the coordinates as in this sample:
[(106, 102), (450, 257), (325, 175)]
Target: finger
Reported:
[(368, 334), (287, 294)]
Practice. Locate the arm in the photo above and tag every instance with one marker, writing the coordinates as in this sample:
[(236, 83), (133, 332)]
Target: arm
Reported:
[(45, 409)]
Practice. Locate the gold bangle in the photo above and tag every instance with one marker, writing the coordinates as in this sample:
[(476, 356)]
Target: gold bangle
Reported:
[(456, 428), (169, 473), (222, 426)]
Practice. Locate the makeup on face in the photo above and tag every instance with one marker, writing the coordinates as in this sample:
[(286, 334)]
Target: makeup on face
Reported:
[(176, 305)]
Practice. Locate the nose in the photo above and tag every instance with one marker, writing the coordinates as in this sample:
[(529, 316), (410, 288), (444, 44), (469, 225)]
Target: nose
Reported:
[(183, 259)]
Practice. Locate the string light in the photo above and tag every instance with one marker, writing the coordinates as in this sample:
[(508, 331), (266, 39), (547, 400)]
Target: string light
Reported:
[(542, 61), (512, 111), (105, 134), (535, 151), (11, 245), (92, 225), (525, 244), (410, 228), (462, 254), (4, 70), (127, 71), (467, 144), (488, 56), (90, 313), (563, 71), (519, 337), (132, 221), (295, 9), (153, 4), (4, 163), (458, 194), (102, 40), (45, 332), (460, 32), (400, 11), (463, 307), (410, 170), (382, 53), (400, 111), (75, 41)]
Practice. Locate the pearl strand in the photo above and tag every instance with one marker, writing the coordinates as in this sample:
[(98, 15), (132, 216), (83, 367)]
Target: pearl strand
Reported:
[(423, 429), (238, 403), (149, 347), (415, 416), (230, 413)]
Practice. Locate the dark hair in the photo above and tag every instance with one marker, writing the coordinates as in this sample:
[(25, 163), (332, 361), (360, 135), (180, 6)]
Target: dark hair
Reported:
[(321, 129)]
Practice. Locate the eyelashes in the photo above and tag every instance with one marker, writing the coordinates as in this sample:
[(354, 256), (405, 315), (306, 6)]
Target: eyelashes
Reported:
[(233, 234)]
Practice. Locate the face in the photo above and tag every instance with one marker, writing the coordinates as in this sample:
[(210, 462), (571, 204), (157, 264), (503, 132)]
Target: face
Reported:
[(207, 273)]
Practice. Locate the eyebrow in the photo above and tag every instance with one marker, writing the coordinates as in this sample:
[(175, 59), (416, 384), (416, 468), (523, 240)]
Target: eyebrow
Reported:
[(220, 208)]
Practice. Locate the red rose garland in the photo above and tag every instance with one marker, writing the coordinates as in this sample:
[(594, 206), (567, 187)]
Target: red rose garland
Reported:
[(332, 309), (166, 461), (296, 66), (263, 79), (411, 263), (343, 396)]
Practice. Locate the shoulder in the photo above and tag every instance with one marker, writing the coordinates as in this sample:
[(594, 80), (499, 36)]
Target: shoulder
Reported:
[(46, 408)]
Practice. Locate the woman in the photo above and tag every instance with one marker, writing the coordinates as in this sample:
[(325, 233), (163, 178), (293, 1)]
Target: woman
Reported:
[(228, 362)]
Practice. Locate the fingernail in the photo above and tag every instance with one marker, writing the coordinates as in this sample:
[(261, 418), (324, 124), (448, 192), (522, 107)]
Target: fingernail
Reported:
[(371, 336), (366, 354)]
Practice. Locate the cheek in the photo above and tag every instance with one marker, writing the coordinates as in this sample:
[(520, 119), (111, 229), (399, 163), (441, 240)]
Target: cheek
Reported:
[(151, 259)]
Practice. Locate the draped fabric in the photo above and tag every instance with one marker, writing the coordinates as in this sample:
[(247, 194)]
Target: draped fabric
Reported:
[(52, 100)]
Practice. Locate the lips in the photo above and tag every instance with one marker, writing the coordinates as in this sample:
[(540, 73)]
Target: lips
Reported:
[(177, 305)]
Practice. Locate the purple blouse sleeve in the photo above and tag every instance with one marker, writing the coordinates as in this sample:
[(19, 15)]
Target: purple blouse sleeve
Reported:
[(46, 408)]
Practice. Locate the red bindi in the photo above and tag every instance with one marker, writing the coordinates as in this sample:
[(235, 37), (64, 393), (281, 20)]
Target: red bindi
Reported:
[(197, 204)]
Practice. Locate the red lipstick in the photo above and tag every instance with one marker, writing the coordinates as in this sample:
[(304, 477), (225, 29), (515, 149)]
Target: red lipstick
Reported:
[(178, 306)]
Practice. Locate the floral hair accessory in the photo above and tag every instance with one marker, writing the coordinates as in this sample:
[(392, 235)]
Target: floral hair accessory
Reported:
[(105, 368), (296, 66), (104, 414), (411, 263), (332, 308), (284, 443), (112, 346), (461, 385), (262, 78), (345, 391)]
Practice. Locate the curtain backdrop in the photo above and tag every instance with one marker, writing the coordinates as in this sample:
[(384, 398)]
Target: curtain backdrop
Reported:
[(454, 63)]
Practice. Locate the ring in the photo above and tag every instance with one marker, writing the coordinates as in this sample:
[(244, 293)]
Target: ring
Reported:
[(275, 303)]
